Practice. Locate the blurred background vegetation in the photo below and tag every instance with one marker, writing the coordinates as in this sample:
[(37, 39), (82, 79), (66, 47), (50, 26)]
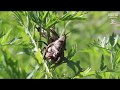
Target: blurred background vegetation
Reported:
[(17, 61)]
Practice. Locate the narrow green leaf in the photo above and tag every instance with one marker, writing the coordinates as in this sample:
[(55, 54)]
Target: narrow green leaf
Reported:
[(39, 56), (32, 73), (102, 66), (118, 60), (19, 18), (5, 37), (113, 39), (45, 16), (87, 72)]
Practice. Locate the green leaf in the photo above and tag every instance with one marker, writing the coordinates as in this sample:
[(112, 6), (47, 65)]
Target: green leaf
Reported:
[(113, 39), (34, 15), (19, 17), (11, 66), (65, 16), (5, 37), (51, 23), (39, 56), (117, 60), (72, 15), (45, 16), (87, 72), (105, 75), (14, 41), (2, 34), (32, 73), (30, 24), (102, 66), (64, 71)]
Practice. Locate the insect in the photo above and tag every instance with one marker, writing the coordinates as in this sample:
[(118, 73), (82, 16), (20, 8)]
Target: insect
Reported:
[(54, 51)]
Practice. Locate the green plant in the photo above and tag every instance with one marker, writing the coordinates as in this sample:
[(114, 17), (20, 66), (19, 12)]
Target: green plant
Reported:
[(24, 34), (30, 40), (109, 49)]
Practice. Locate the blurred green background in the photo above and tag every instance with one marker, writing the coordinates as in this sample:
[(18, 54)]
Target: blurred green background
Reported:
[(97, 24)]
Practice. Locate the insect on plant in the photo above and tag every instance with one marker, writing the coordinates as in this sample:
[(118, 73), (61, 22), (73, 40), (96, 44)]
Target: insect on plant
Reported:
[(47, 46), (54, 51)]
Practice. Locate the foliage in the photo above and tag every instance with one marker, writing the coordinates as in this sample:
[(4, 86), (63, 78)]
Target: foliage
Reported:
[(92, 49)]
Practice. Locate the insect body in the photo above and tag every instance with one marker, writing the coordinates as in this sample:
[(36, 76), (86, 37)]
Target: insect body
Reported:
[(55, 50)]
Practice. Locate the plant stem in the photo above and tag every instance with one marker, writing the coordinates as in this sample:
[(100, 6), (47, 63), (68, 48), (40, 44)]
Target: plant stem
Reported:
[(47, 69), (48, 34), (28, 33), (111, 60), (40, 32)]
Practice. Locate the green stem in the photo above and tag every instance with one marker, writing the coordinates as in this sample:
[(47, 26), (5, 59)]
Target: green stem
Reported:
[(111, 60), (31, 38), (40, 31), (47, 69), (48, 34)]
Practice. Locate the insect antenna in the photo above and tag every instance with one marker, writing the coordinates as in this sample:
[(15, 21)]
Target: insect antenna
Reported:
[(43, 42)]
